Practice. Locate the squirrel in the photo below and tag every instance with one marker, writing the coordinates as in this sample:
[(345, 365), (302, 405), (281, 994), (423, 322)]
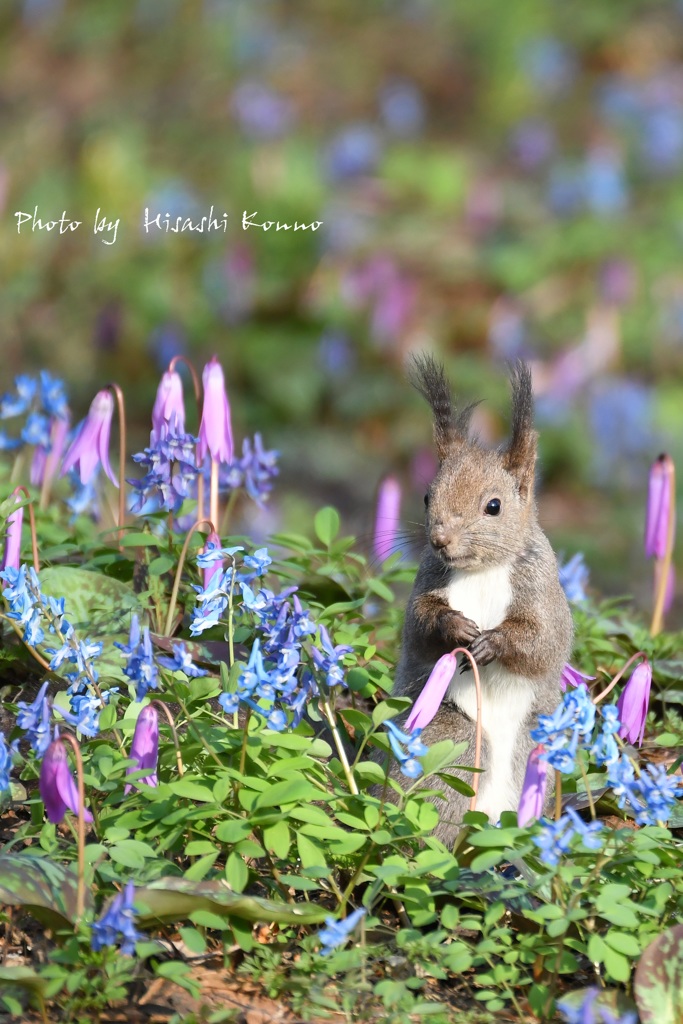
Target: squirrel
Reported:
[(487, 580)]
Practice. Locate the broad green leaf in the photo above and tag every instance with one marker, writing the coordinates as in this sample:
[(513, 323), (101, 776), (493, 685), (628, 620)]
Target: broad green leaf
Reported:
[(26, 978), (290, 791), (326, 525), (236, 872), (658, 986), (42, 888), (494, 837), (167, 900)]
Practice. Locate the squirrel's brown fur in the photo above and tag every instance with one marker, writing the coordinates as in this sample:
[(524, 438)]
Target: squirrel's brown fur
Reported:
[(514, 617)]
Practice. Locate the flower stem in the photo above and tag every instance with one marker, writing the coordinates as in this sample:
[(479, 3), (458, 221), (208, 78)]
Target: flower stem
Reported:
[(176, 742), (121, 407), (32, 525), (477, 734), (198, 396), (664, 565), (179, 570), (558, 795), (80, 891), (332, 721), (610, 686), (589, 795)]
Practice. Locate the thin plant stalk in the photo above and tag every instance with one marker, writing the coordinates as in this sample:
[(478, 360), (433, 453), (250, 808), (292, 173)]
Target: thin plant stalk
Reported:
[(558, 795), (332, 722), (610, 686), (198, 396), (80, 891), (589, 795), (176, 742), (664, 565), (121, 407), (227, 512), (478, 729), (179, 570), (32, 525)]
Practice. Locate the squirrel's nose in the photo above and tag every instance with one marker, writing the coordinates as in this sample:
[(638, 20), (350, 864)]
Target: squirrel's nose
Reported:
[(439, 537)]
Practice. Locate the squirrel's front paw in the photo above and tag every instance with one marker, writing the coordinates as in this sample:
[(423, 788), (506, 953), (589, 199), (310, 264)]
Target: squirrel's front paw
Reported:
[(458, 629), (484, 650)]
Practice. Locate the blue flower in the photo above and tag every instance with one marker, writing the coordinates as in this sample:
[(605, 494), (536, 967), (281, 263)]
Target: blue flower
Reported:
[(53, 396), (116, 927), (335, 933), (574, 578), (140, 665), (572, 720), (588, 1012), (181, 662), (553, 841), (34, 719), (588, 831), (212, 602), (653, 795), (6, 762), (329, 659)]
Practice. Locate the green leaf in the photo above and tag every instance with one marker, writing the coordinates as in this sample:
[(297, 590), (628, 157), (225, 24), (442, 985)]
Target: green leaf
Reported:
[(168, 900), (494, 837), (616, 965), (623, 943), (42, 888), (194, 940), (276, 839), (326, 525), (200, 869), (310, 853), (658, 986), (290, 791), (26, 978), (236, 872)]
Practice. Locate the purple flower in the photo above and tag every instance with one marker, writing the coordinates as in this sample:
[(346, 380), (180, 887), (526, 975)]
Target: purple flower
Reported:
[(118, 923), (337, 932), (633, 704), (532, 800), (589, 1012), (168, 414), (429, 701), (145, 747), (46, 461), (574, 578), (572, 677), (90, 447), (387, 518), (58, 791), (659, 507), (34, 719), (12, 553), (215, 430)]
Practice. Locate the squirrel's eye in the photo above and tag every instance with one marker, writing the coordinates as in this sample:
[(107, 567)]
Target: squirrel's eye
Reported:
[(493, 507), (426, 501)]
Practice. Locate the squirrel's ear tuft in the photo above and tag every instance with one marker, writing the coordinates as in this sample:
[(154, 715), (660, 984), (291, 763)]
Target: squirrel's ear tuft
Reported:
[(450, 427), (520, 455)]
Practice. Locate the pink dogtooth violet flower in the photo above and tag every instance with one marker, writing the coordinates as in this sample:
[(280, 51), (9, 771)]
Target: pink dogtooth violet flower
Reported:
[(90, 447), (168, 414), (572, 677), (633, 703), (44, 463), (387, 517), (12, 554), (532, 800), (429, 701), (58, 790), (215, 430), (145, 747), (659, 504)]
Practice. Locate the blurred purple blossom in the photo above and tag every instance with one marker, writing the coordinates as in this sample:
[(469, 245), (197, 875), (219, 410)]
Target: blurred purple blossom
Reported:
[(533, 143), (387, 518), (335, 354), (617, 281), (402, 107), (549, 64), (261, 112), (604, 185), (353, 152)]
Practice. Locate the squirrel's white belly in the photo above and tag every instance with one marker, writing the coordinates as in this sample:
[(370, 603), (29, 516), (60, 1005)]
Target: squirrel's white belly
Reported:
[(506, 697)]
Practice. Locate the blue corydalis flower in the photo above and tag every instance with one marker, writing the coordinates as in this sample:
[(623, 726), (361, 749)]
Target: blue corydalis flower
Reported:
[(335, 933), (6, 753), (328, 660), (414, 748), (574, 578), (181, 662), (34, 719), (140, 667), (116, 927)]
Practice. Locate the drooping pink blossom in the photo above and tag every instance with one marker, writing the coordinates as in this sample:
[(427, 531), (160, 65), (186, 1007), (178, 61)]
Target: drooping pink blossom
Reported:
[(532, 800), (572, 677), (11, 557), (387, 518), (58, 790), (145, 747), (429, 701), (45, 462), (658, 514), (215, 430), (90, 447), (168, 414), (633, 704)]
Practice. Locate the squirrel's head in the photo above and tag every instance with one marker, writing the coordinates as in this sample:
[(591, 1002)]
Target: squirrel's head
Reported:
[(481, 503)]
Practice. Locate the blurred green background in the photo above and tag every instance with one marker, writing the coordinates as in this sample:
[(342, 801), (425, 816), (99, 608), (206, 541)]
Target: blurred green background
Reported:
[(494, 179)]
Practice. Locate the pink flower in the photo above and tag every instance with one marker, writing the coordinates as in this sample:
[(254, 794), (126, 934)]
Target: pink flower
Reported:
[(90, 447), (429, 701), (168, 413), (58, 791), (387, 518), (532, 800), (658, 513), (12, 553), (145, 747), (215, 430), (633, 703), (44, 463), (572, 677)]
